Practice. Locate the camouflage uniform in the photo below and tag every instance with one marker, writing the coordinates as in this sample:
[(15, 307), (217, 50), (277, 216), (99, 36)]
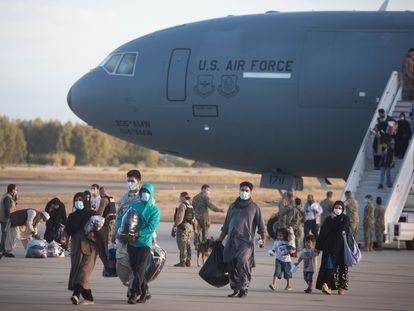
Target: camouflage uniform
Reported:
[(368, 225), (297, 224), (351, 208), (408, 79), (379, 224), (202, 203), (285, 214), (184, 232), (327, 206)]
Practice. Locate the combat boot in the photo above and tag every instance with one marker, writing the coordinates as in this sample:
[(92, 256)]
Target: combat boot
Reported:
[(180, 264), (188, 263)]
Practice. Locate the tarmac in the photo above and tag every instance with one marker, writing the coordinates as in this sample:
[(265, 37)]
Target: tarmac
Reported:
[(382, 281)]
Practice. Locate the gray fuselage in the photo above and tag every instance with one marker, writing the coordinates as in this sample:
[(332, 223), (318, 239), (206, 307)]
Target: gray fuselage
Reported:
[(286, 92)]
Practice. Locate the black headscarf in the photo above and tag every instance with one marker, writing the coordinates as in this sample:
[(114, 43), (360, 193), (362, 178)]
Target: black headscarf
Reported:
[(77, 220)]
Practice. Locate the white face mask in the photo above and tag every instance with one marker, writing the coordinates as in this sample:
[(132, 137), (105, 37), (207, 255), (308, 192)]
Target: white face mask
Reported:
[(132, 185), (337, 211), (145, 196), (79, 205), (244, 195)]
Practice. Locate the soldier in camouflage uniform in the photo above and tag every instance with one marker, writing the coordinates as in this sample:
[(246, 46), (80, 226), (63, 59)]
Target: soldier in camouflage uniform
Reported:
[(368, 222), (327, 206), (297, 222), (408, 76), (202, 204), (286, 207), (351, 208), (379, 222), (183, 228)]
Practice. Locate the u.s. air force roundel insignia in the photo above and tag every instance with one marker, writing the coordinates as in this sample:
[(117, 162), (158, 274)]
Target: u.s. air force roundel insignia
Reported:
[(228, 86), (204, 86)]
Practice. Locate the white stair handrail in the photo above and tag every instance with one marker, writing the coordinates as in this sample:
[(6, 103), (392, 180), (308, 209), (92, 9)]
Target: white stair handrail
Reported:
[(401, 188), (388, 101)]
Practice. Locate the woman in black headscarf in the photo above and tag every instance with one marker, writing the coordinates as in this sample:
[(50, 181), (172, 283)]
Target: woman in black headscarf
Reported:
[(84, 250), (333, 274), (57, 220)]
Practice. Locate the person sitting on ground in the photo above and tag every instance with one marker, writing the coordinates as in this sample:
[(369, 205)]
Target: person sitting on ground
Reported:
[(57, 221), (23, 225), (283, 262)]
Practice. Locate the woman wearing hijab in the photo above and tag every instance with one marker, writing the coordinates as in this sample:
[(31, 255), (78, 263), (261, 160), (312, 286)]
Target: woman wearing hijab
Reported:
[(403, 136), (57, 220), (333, 274), (84, 250)]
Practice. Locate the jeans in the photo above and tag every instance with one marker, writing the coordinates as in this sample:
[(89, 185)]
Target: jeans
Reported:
[(138, 257), (386, 170)]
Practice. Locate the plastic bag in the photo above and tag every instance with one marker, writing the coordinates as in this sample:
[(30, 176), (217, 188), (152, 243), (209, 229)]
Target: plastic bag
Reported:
[(54, 249), (294, 269), (155, 263), (95, 223), (110, 269), (36, 249), (129, 226), (214, 270), (351, 256)]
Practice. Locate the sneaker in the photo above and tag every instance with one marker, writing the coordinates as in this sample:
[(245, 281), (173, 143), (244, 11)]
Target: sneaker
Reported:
[(188, 263), (272, 287), (326, 290), (180, 264), (308, 291), (132, 300), (87, 302), (74, 299), (10, 255), (234, 294), (288, 288)]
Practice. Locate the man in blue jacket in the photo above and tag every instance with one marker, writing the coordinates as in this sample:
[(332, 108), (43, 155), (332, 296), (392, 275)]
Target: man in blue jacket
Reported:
[(139, 248)]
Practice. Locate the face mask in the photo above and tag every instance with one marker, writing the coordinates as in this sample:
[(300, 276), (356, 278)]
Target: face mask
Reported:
[(79, 205), (131, 185), (337, 212), (145, 196), (244, 195)]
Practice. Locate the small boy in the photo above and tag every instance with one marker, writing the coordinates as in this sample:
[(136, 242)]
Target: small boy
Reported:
[(283, 262), (308, 255)]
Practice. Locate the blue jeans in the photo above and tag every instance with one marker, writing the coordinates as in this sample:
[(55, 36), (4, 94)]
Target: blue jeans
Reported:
[(386, 170)]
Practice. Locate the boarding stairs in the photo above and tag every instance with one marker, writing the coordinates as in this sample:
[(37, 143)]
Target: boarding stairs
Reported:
[(364, 179)]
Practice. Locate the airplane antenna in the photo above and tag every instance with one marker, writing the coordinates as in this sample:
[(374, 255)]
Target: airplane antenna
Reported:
[(384, 6)]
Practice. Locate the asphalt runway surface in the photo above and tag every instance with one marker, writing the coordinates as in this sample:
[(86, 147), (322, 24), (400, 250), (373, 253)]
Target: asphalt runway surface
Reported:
[(382, 281)]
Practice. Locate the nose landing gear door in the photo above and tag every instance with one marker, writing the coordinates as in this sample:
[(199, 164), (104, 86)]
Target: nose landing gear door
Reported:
[(177, 75)]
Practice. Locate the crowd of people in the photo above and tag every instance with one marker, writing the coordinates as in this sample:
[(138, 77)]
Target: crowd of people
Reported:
[(319, 227)]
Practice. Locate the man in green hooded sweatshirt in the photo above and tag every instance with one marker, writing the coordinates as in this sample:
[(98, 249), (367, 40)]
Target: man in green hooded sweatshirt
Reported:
[(139, 248)]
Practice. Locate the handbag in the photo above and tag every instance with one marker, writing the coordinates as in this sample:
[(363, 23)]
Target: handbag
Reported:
[(351, 256)]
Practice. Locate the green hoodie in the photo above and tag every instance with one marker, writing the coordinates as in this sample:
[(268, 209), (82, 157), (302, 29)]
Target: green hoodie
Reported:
[(149, 217)]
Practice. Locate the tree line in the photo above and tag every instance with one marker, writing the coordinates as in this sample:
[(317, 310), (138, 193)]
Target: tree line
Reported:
[(66, 144)]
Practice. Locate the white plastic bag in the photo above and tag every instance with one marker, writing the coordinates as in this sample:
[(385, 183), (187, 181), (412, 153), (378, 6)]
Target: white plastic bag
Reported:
[(54, 249), (36, 249)]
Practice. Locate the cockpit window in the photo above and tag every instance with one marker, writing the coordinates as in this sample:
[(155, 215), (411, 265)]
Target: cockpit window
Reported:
[(111, 63), (127, 64)]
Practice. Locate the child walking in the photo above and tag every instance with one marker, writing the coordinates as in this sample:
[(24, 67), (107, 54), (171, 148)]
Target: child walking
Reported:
[(308, 255), (283, 263)]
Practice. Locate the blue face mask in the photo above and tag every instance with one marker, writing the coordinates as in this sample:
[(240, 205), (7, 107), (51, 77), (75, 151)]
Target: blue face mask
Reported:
[(132, 186), (145, 196), (79, 205), (244, 195)]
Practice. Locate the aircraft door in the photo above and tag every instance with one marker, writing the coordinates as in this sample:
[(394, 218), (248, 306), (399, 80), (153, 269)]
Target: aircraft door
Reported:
[(177, 75)]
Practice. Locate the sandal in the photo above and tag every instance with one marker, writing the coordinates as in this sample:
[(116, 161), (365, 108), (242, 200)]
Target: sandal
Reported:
[(326, 290)]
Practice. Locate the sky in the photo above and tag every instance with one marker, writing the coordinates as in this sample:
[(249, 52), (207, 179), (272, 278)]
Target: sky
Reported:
[(46, 45)]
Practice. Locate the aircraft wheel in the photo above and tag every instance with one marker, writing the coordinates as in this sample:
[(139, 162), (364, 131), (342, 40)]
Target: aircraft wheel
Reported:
[(272, 225)]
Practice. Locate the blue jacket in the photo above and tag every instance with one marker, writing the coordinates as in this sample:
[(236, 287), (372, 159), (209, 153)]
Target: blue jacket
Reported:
[(149, 217)]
